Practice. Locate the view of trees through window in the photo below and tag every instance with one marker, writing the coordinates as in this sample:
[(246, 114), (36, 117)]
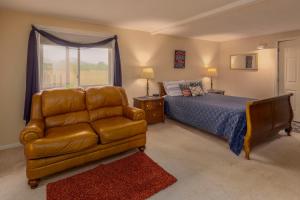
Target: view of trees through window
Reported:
[(68, 67)]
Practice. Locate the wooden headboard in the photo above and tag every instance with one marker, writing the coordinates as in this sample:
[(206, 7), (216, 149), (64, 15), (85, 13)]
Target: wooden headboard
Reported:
[(162, 91)]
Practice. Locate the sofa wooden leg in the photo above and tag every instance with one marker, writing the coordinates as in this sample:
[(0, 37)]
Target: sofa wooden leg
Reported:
[(142, 148), (33, 183), (288, 131)]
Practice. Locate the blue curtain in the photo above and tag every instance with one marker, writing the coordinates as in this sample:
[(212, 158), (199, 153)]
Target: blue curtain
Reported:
[(32, 74)]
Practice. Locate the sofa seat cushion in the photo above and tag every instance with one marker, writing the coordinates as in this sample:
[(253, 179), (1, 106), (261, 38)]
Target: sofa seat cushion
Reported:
[(62, 140), (117, 128)]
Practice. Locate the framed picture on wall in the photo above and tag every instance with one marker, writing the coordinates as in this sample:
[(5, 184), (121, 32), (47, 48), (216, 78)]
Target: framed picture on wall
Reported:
[(179, 62)]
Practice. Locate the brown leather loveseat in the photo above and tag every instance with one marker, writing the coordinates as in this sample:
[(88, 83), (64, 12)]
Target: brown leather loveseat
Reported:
[(70, 127)]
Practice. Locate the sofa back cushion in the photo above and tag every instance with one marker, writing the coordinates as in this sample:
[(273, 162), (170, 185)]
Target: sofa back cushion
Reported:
[(103, 97), (105, 102), (67, 119), (62, 101)]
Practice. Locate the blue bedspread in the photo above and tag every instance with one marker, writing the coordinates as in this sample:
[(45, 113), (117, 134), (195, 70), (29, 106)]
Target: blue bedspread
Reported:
[(221, 115)]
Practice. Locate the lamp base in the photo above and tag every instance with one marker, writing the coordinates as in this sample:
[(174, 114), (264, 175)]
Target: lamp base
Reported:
[(147, 94)]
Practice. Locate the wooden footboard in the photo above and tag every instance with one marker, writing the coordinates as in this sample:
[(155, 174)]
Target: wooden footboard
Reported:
[(265, 118)]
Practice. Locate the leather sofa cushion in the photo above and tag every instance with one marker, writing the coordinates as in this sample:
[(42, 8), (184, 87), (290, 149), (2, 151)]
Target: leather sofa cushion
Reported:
[(61, 101), (103, 97), (67, 119), (105, 112), (117, 128), (62, 140)]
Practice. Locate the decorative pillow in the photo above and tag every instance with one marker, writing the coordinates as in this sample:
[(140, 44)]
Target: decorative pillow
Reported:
[(196, 88), (172, 88), (184, 87), (195, 82)]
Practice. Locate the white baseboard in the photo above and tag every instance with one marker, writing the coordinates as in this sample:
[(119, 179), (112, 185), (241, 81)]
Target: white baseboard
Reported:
[(9, 146)]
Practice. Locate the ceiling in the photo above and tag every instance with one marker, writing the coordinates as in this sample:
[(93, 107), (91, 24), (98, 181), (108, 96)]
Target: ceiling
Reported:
[(214, 20)]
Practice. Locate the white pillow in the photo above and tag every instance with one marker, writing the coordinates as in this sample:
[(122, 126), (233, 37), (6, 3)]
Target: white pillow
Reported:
[(172, 87)]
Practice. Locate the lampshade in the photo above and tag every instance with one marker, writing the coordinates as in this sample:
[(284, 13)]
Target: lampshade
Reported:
[(212, 72), (147, 73)]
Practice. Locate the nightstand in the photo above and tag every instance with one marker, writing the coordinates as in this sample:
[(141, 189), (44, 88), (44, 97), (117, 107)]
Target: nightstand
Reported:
[(216, 91), (153, 107)]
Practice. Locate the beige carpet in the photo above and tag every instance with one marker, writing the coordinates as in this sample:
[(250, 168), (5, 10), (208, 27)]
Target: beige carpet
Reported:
[(203, 165)]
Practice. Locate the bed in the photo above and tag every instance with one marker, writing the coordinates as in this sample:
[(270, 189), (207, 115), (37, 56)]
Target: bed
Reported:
[(243, 122)]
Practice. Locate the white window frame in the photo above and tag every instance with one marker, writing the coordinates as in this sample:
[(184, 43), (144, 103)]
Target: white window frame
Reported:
[(110, 62)]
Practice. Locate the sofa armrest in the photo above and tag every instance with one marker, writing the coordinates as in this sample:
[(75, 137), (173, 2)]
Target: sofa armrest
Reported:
[(134, 114), (33, 130)]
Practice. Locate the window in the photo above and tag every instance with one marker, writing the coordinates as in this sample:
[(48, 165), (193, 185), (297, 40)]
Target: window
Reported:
[(67, 67)]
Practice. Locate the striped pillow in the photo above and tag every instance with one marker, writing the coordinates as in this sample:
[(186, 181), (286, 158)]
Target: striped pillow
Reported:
[(172, 87)]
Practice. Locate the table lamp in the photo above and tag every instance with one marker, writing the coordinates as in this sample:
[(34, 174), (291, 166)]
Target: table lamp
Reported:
[(147, 73), (212, 72)]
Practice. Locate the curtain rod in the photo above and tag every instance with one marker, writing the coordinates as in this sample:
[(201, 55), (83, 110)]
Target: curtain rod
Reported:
[(73, 31)]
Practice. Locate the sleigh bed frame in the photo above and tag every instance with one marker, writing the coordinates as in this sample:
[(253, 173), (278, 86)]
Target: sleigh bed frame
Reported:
[(264, 118)]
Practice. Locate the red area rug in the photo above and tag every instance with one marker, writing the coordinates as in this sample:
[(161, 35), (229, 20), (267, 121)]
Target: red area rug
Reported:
[(135, 177)]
